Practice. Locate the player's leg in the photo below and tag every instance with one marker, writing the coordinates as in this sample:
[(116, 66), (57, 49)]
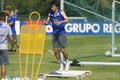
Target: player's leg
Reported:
[(63, 41), (16, 43), (65, 54), (57, 51), (55, 46), (3, 71), (4, 60), (12, 46)]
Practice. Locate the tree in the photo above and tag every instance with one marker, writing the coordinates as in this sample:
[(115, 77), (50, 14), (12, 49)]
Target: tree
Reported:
[(25, 7)]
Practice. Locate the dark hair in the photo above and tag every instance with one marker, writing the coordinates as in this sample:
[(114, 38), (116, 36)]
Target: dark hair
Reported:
[(2, 16), (56, 3)]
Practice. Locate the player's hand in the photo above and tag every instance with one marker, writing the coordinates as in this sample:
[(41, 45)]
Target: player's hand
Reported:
[(43, 21)]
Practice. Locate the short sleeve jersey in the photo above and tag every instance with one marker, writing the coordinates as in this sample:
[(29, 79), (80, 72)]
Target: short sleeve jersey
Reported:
[(5, 31)]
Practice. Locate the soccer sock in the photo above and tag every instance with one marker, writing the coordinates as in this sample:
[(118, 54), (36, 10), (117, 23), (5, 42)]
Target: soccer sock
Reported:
[(67, 65), (66, 60), (61, 61), (61, 65)]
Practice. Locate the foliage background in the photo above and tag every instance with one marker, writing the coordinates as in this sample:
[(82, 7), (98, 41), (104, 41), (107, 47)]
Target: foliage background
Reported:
[(25, 7)]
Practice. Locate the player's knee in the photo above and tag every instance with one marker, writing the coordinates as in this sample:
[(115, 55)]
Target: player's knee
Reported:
[(56, 50), (63, 49)]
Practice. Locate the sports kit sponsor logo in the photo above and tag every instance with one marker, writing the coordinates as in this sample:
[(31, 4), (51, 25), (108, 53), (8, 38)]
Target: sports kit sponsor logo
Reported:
[(91, 28)]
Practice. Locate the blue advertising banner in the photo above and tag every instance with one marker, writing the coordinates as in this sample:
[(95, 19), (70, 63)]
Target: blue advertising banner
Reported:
[(88, 28), (82, 28)]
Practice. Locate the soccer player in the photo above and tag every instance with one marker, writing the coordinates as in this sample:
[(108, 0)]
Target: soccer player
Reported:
[(11, 21), (5, 32), (58, 19)]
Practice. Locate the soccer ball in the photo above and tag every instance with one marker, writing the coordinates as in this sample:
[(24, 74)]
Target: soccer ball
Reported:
[(50, 51), (107, 53)]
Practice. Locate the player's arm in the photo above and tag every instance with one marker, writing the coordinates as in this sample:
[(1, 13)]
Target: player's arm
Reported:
[(11, 38), (65, 17), (48, 19), (10, 34)]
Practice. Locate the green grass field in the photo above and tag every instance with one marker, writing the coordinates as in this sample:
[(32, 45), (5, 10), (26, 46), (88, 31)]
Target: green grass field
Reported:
[(82, 48)]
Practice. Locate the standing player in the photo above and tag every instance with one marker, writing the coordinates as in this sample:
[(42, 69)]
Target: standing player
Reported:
[(5, 31), (58, 19), (11, 21)]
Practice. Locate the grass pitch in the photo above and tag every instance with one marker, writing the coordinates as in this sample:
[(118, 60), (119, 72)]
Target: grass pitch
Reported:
[(82, 48)]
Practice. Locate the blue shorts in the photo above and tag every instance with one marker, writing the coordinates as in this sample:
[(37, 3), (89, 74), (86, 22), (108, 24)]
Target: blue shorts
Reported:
[(59, 41), (4, 58)]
